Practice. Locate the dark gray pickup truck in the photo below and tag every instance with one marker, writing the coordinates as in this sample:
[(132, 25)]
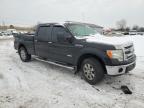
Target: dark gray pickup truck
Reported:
[(77, 45)]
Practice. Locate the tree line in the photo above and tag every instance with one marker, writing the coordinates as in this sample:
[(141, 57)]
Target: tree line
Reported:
[(122, 26)]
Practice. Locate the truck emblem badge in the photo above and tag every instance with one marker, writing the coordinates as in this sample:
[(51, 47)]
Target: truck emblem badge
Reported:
[(78, 45), (69, 55)]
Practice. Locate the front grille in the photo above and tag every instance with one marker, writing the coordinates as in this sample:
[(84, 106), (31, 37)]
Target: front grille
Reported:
[(129, 51)]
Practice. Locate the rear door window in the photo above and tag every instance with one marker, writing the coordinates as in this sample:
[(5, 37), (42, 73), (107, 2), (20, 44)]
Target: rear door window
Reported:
[(44, 33)]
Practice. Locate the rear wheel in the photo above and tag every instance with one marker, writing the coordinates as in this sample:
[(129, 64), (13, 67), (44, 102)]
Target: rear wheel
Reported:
[(25, 57), (92, 70)]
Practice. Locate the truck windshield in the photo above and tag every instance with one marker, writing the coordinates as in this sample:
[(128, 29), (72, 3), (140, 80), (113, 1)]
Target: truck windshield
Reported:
[(81, 30)]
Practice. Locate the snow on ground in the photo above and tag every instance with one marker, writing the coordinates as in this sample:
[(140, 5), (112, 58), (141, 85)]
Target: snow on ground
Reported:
[(6, 37), (40, 85)]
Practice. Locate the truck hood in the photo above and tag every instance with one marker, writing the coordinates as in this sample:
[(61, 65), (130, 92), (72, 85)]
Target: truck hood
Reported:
[(98, 38)]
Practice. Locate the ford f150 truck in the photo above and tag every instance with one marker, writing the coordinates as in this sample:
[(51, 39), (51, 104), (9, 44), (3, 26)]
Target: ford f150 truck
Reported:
[(77, 45)]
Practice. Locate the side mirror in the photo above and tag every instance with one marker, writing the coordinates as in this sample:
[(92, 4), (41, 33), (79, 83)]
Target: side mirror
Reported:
[(64, 37)]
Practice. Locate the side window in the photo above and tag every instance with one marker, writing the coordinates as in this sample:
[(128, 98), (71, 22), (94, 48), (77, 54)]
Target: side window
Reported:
[(58, 29), (44, 33)]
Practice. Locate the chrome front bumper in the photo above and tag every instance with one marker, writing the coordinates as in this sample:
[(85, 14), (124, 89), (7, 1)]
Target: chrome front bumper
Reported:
[(118, 70)]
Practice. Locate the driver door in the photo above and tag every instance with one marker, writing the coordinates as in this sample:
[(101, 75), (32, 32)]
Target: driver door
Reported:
[(61, 50)]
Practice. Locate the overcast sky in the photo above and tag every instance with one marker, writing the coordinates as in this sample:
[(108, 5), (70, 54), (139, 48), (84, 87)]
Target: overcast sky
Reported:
[(101, 12)]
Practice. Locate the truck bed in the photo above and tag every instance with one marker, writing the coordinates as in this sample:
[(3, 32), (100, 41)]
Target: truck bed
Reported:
[(25, 39)]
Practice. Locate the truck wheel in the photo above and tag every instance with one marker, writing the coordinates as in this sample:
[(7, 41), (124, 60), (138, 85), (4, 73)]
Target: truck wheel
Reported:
[(92, 71), (25, 57)]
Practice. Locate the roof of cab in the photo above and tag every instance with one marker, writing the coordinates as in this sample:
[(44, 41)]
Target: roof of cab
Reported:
[(69, 22), (59, 23)]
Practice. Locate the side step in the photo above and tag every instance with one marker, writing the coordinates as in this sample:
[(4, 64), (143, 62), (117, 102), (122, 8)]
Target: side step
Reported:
[(57, 64)]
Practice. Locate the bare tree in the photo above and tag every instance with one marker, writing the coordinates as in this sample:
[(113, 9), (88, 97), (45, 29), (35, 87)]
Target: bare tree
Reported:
[(135, 27), (11, 26), (121, 24), (141, 29), (127, 29)]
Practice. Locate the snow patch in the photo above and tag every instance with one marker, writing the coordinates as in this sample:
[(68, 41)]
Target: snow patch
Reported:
[(40, 85)]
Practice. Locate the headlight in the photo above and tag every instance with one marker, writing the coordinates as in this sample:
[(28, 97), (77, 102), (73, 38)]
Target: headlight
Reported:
[(115, 54)]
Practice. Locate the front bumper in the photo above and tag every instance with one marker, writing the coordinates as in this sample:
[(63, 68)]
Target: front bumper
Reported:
[(121, 69)]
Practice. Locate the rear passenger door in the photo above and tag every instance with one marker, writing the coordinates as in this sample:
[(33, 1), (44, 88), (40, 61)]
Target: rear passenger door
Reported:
[(42, 41)]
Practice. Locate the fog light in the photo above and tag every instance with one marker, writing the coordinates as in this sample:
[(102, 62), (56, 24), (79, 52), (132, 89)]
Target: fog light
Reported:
[(120, 70)]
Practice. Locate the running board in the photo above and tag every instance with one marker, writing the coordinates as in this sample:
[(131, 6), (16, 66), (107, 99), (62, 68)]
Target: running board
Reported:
[(53, 63)]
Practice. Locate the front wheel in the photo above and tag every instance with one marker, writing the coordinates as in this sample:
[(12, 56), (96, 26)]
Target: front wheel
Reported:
[(25, 57), (92, 70)]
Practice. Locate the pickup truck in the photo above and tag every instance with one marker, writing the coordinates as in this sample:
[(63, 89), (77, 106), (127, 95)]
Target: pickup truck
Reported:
[(79, 46)]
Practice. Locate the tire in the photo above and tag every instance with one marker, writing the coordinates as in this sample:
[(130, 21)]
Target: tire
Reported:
[(25, 57), (92, 70)]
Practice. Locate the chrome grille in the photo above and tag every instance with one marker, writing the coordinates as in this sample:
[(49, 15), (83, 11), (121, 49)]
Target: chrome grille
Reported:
[(129, 51)]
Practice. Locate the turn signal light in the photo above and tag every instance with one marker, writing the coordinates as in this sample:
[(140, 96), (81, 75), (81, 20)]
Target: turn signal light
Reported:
[(109, 53)]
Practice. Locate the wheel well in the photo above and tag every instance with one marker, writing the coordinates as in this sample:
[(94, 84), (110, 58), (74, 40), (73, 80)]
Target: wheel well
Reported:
[(21, 45), (85, 56)]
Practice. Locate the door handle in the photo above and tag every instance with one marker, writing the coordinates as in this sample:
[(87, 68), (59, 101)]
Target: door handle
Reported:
[(50, 42)]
